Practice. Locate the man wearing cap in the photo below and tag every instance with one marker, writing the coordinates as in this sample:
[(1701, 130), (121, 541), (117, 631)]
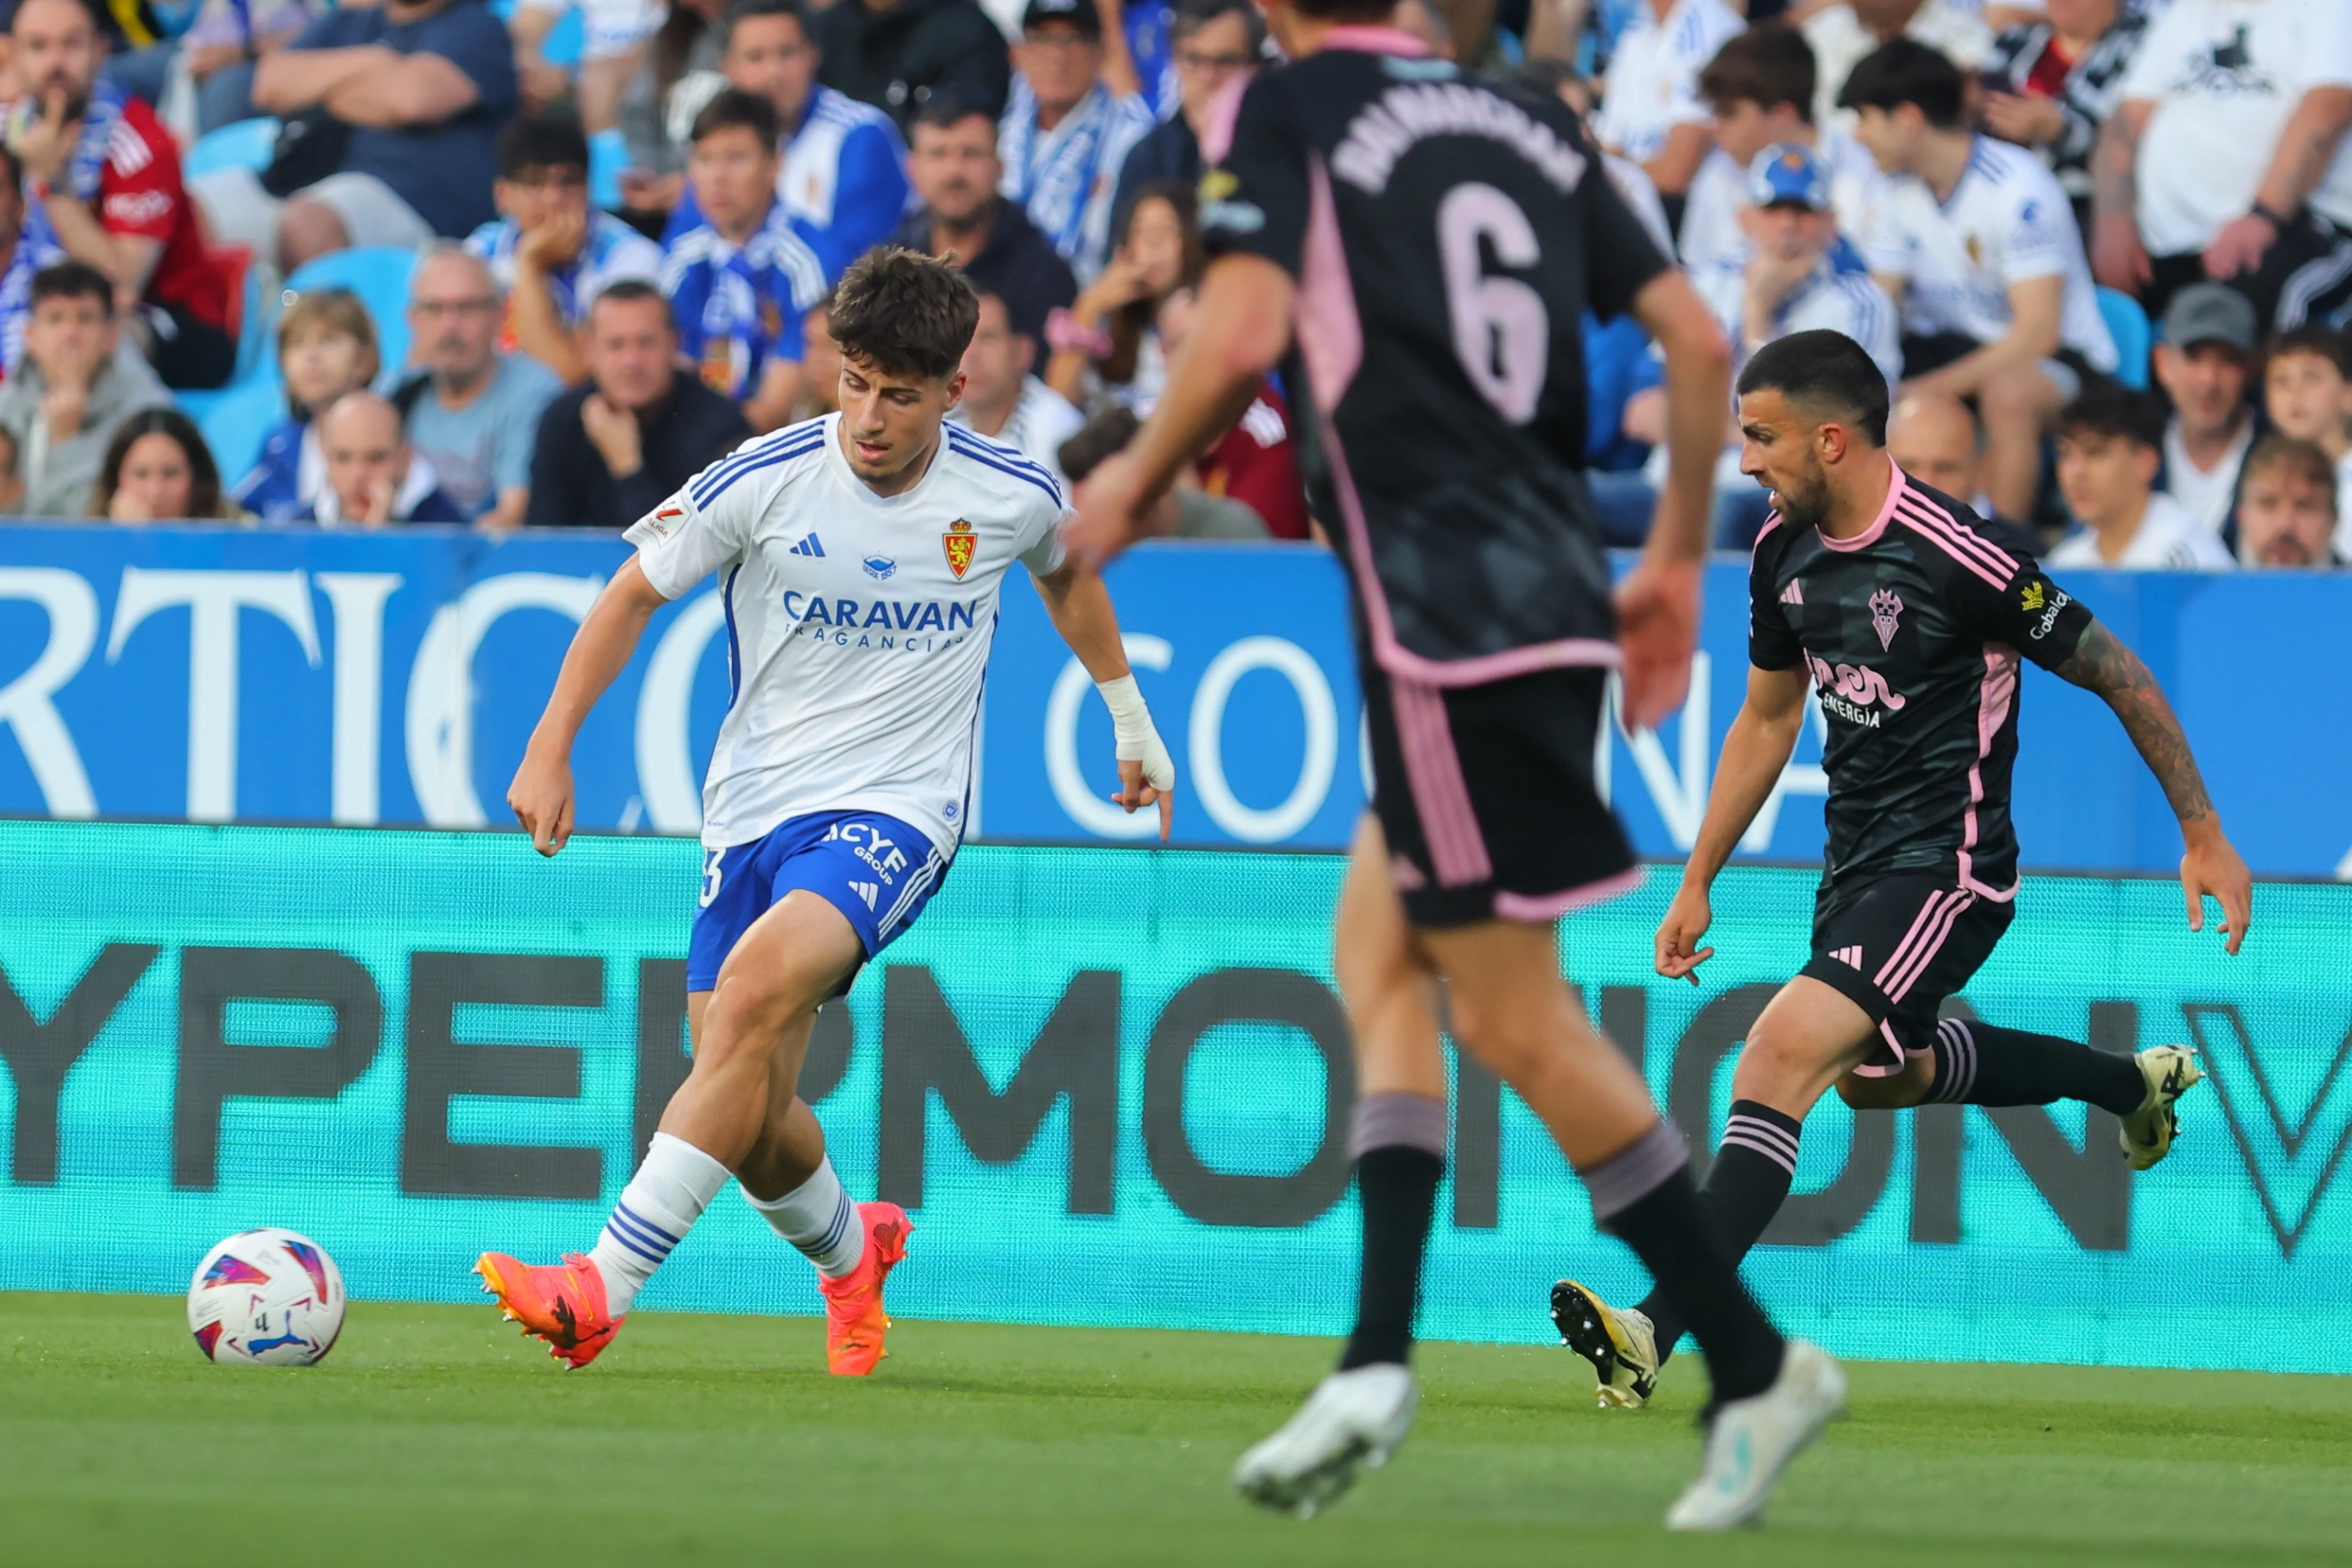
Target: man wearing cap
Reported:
[(1075, 115), (1800, 276), (2205, 364), (900, 55)]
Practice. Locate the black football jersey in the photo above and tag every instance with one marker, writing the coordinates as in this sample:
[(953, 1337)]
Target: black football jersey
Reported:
[(1912, 632), (1447, 233)]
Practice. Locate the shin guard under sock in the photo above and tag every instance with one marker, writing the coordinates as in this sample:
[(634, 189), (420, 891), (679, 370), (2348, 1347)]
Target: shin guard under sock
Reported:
[(1398, 1141), (1981, 1063), (1744, 1189)]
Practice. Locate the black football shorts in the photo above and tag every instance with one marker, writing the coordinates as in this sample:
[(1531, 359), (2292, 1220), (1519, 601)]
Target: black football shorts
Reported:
[(1897, 945), (1486, 798)]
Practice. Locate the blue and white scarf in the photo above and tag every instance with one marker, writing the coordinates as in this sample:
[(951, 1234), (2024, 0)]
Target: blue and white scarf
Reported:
[(37, 247), (1065, 177)]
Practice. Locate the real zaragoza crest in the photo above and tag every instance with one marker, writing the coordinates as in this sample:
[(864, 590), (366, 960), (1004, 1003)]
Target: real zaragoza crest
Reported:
[(960, 542)]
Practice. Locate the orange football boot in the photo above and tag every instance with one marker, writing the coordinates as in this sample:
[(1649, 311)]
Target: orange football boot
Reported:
[(854, 1322), (563, 1303)]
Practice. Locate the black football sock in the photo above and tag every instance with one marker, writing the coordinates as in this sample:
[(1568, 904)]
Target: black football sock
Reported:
[(1979, 1064), (1645, 1198), (1744, 1189), (1400, 1146)]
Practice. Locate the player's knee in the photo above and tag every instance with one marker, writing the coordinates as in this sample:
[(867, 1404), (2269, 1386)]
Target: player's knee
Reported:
[(748, 1008), (1873, 1093)]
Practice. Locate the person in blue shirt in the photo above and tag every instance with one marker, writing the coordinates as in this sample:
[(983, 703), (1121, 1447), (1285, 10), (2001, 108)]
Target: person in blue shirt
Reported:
[(843, 178), (739, 279), (326, 347)]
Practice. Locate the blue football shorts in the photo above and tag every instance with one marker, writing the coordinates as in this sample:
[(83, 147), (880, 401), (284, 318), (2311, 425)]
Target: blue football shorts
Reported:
[(876, 869)]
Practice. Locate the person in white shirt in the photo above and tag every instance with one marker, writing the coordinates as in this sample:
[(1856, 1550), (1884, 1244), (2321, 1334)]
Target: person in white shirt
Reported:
[(2227, 159), (2205, 362), (860, 558), (1004, 401), (1758, 89), (1842, 36), (1977, 242), (1651, 113), (2106, 465)]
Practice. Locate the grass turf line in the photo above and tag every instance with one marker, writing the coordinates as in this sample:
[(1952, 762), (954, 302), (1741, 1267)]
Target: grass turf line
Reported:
[(433, 1433)]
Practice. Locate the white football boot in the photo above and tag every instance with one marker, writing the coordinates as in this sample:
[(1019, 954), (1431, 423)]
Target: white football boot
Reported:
[(2147, 1135), (1620, 1341), (1352, 1421), (1751, 1440)]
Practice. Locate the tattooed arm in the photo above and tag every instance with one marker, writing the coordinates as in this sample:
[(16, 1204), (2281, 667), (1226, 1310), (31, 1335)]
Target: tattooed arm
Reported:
[(2101, 664)]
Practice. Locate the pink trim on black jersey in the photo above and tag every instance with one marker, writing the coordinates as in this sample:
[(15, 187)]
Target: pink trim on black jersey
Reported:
[(1955, 539), (1375, 41), (1994, 698), (1896, 486), (1546, 907)]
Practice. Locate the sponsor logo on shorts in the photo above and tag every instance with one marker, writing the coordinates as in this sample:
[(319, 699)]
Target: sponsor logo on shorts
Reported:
[(868, 843), (1849, 956)]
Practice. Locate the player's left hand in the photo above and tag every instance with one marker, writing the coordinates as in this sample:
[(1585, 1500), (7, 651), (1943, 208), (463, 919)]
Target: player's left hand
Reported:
[(1657, 628), (2214, 867)]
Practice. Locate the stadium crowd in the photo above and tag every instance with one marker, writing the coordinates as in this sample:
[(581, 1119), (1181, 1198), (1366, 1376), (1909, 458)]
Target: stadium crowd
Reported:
[(2100, 249)]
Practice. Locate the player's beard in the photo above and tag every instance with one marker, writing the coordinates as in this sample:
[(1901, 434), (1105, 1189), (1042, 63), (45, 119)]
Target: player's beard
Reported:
[(1806, 504)]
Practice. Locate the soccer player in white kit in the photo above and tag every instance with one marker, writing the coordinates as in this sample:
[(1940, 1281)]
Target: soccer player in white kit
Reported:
[(862, 556)]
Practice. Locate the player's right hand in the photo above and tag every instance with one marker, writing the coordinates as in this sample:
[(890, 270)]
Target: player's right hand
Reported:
[(541, 798), (1687, 918)]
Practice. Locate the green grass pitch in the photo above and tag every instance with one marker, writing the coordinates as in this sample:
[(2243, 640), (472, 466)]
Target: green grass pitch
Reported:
[(433, 1435)]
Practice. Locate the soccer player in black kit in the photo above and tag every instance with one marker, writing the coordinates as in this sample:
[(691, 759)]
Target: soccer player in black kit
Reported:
[(1428, 241), (1887, 599)]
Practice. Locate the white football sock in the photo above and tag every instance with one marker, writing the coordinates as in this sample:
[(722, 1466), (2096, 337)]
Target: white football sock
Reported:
[(662, 1201), (818, 1217)]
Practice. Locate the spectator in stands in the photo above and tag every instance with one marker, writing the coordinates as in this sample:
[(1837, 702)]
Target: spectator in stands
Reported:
[(2287, 509), (739, 279), (26, 246), (326, 347), (956, 173), (843, 179), (110, 177), (1106, 345), (1215, 41), (1758, 89), (473, 412), (2108, 453), (158, 469), (2053, 80), (1842, 34), (2227, 159), (374, 477), (222, 46), (549, 251), (2204, 363), (77, 384), (1618, 364), (1255, 462), (678, 76), (901, 55), (1184, 512), (610, 451), (820, 363), (415, 91), (2307, 393), (1075, 115), (1651, 112), (614, 35), (1558, 78), (1933, 437), (1002, 400), (1976, 241), (12, 485)]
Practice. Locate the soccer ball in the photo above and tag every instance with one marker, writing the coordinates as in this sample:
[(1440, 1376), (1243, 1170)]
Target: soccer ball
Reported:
[(266, 1298)]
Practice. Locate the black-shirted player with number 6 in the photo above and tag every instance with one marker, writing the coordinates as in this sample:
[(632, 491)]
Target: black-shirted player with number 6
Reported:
[(1882, 594), (1429, 240)]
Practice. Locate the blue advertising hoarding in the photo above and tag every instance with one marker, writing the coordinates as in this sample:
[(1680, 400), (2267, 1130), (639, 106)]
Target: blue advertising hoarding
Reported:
[(1109, 1084), (222, 675)]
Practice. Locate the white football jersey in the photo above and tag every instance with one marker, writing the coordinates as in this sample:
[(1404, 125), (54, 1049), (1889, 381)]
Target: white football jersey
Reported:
[(2007, 222), (1653, 81), (858, 625)]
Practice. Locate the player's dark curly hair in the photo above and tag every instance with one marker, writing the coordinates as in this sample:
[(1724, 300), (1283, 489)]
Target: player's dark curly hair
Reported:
[(1825, 371), (904, 313)]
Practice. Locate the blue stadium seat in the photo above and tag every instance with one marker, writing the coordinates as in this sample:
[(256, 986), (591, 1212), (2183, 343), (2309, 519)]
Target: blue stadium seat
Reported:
[(380, 277), (608, 154), (235, 420), (567, 41), (248, 144), (2127, 324)]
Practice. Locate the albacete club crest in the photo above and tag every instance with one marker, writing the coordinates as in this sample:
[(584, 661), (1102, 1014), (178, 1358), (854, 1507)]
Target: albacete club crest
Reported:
[(960, 542)]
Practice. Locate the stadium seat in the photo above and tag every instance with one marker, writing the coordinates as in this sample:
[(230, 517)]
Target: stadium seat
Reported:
[(248, 144), (380, 277), (2127, 324), (608, 154), (567, 41), (235, 420)]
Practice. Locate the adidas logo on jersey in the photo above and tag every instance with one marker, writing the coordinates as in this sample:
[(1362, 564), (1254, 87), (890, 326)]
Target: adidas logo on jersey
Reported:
[(809, 546), (869, 893), (1794, 593), (1849, 956)]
